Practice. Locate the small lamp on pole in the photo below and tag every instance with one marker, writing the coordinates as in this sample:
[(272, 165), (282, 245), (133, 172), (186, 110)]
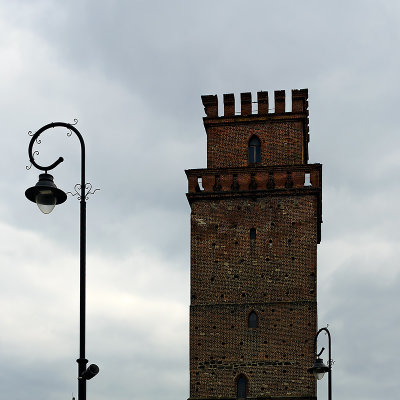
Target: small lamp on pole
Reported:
[(319, 368)]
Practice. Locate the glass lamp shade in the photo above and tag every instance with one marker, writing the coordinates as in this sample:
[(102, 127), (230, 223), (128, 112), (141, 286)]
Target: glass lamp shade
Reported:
[(318, 369), (319, 375), (46, 201), (45, 194)]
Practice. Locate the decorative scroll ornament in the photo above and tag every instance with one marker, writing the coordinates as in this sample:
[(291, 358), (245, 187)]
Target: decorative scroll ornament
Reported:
[(38, 141), (88, 191), (35, 153), (69, 133)]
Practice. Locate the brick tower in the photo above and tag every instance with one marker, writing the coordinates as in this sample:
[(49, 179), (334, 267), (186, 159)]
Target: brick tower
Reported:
[(255, 226)]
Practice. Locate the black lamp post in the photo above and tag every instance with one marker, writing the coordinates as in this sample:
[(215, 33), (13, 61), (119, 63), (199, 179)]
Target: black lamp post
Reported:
[(46, 195), (319, 368)]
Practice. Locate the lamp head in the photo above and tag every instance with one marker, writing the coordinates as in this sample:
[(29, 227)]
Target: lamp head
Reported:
[(318, 369), (91, 371), (45, 194)]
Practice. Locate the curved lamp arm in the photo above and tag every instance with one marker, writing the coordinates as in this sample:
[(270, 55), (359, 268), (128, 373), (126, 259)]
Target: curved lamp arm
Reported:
[(60, 159), (319, 366), (329, 345)]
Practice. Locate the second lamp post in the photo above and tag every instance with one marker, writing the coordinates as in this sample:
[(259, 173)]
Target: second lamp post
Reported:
[(319, 368)]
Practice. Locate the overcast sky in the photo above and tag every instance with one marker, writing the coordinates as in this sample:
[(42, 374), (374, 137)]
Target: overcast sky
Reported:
[(132, 73)]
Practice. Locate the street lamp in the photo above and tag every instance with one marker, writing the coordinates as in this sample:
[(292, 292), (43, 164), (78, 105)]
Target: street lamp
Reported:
[(319, 368), (46, 195)]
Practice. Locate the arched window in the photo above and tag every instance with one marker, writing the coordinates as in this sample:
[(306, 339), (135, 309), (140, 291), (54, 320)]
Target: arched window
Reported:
[(252, 321), (254, 149), (241, 387)]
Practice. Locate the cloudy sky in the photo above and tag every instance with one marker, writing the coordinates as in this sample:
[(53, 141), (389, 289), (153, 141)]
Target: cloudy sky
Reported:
[(132, 73)]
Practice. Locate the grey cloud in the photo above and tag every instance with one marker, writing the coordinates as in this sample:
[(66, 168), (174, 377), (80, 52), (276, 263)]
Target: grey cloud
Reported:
[(132, 72)]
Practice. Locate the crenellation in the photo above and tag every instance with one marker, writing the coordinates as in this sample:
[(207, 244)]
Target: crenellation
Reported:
[(299, 177), (192, 183), (299, 100), (227, 181), (245, 103), (229, 105), (208, 181), (262, 100), (264, 178), (279, 101), (243, 180), (299, 104), (316, 179), (210, 103)]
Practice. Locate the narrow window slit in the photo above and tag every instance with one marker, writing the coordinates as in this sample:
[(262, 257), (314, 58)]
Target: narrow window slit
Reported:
[(254, 150), (252, 321)]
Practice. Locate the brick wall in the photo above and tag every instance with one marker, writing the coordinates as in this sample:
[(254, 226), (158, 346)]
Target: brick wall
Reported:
[(228, 145), (273, 275), (279, 265)]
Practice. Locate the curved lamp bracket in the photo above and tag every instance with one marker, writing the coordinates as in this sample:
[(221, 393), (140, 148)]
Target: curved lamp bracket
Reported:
[(60, 159), (330, 361)]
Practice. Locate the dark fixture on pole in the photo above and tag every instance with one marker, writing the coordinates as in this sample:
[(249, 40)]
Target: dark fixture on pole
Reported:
[(46, 195), (319, 368), (91, 371)]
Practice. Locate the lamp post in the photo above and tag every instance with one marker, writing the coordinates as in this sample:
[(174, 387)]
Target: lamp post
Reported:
[(319, 368), (46, 195)]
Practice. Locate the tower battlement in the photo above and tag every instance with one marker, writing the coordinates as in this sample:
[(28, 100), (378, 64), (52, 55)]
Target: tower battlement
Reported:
[(299, 103), (282, 135)]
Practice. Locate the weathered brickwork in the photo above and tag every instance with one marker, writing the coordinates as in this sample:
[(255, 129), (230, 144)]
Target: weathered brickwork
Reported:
[(272, 355), (272, 149), (254, 234)]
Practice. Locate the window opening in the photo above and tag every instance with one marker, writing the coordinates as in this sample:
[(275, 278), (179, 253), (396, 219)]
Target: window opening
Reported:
[(307, 179), (217, 185), (241, 387), (199, 187), (235, 184), (253, 183), (252, 320), (254, 150), (253, 234)]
